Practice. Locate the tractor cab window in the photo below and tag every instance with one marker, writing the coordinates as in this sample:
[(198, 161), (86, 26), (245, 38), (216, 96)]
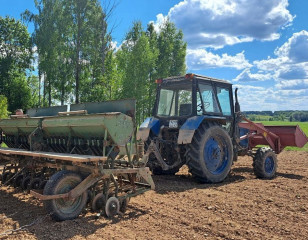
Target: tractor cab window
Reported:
[(223, 95), (207, 101), (175, 100)]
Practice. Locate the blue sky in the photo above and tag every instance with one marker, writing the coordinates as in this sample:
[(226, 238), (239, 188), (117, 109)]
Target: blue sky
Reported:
[(261, 46)]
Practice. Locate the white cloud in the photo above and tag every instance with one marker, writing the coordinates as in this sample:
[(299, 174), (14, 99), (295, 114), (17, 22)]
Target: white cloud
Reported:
[(160, 20), (113, 44), (216, 23), (293, 93), (296, 48), (289, 68), (247, 76), (291, 72), (201, 59), (293, 84), (264, 99), (293, 54)]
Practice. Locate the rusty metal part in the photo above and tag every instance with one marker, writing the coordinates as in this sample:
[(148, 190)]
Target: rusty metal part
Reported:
[(277, 137)]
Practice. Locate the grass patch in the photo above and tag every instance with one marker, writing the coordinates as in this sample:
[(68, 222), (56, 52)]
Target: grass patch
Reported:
[(303, 126)]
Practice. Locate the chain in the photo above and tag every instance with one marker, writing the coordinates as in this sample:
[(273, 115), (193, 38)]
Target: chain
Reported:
[(37, 221)]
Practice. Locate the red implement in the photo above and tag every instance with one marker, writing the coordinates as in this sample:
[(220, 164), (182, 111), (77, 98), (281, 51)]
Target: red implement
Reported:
[(277, 137)]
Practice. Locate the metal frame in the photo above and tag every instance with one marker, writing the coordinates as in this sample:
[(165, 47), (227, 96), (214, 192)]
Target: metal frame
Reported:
[(78, 163)]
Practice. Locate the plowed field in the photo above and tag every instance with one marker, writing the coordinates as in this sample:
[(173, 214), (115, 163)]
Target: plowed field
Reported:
[(242, 207)]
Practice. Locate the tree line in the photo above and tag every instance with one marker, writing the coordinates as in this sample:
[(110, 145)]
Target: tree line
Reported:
[(76, 58), (290, 115)]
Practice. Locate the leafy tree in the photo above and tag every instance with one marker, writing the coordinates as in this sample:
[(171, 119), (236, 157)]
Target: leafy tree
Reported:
[(72, 40), (137, 61), (172, 51), (153, 39), (75, 57), (15, 59), (145, 56), (3, 107)]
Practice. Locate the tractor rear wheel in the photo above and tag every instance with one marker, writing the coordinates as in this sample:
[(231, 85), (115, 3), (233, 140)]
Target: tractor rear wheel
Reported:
[(64, 209), (210, 154), (265, 163)]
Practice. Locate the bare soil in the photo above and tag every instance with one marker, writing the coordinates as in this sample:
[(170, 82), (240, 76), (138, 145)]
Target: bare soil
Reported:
[(242, 207)]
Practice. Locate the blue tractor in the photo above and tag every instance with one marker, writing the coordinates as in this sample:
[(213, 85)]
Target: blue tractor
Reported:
[(194, 122)]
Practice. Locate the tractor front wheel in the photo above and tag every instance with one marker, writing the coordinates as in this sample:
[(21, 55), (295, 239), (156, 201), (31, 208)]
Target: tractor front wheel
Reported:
[(265, 163), (210, 153)]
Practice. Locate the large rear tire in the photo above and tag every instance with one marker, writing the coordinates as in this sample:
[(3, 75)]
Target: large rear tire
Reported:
[(265, 163), (210, 154), (64, 209)]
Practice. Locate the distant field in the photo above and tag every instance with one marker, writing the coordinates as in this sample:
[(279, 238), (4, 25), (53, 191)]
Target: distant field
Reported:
[(303, 126), (259, 117)]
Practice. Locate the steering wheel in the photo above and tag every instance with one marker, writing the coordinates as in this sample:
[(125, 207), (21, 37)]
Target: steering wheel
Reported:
[(200, 107)]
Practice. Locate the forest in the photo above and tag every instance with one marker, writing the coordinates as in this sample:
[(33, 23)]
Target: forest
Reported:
[(289, 116), (70, 57)]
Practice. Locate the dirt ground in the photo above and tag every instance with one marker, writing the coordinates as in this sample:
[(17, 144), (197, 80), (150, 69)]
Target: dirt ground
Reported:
[(242, 207)]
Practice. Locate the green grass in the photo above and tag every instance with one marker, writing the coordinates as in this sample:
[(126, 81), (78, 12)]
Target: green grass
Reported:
[(303, 126), (259, 117)]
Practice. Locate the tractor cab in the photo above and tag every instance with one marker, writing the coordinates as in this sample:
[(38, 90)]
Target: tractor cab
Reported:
[(180, 98)]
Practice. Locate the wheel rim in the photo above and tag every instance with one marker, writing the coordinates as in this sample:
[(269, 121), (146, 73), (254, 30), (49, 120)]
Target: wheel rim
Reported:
[(269, 164), (64, 205), (215, 156)]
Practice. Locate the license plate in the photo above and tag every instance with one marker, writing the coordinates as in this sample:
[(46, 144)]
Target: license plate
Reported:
[(173, 123)]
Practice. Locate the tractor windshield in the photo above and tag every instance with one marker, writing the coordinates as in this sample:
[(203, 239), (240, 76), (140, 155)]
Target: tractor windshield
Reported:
[(175, 100)]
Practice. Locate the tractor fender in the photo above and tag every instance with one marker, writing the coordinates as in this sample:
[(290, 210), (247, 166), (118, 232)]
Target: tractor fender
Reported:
[(150, 124), (187, 130)]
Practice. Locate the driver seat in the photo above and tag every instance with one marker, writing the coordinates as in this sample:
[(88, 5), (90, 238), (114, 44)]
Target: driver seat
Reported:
[(185, 109)]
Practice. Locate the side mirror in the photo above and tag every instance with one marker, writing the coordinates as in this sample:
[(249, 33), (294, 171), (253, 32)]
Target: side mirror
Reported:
[(237, 107)]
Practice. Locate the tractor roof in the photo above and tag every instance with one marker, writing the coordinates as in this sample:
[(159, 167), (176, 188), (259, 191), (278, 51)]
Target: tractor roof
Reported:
[(191, 75)]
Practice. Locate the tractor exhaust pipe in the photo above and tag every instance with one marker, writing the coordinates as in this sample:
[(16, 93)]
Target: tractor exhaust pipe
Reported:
[(237, 107)]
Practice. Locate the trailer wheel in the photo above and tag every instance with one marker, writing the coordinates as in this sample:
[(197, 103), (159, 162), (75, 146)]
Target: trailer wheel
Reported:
[(35, 183), (99, 202), (6, 176), (112, 207), (25, 182), (210, 153), (18, 181), (42, 184), (265, 163), (64, 209)]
